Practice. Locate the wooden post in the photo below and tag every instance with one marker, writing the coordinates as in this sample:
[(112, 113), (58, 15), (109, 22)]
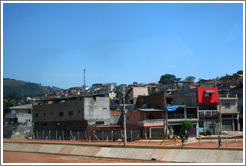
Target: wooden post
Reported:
[(226, 140), (71, 135), (49, 134), (96, 136), (37, 134), (102, 136), (43, 134), (94, 133), (131, 135), (145, 132), (86, 135), (150, 134), (56, 134), (107, 139), (62, 135), (89, 138), (78, 135), (112, 135), (166, 141)]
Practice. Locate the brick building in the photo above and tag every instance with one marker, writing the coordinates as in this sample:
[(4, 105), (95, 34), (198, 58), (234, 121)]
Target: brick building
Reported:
[(73, 113)]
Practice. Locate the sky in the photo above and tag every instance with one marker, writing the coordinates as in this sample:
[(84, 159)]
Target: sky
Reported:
[(51, 43)]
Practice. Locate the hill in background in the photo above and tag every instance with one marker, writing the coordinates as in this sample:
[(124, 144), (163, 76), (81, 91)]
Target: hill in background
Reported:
[(24, 89)]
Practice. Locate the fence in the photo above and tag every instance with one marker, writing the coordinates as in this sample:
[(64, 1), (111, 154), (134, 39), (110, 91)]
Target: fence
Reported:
[(227, 140), (98, 135)]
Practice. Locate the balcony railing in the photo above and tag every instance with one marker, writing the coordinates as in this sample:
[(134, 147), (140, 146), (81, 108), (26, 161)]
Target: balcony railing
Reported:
[(228, 95), (182, 116), (191, 116), (152, 122), (208, 112), (176, 116)]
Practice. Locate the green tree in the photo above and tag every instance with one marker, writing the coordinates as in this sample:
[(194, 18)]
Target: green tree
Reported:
[(240, 72), (167, 79), (187, 125), (190, 78)]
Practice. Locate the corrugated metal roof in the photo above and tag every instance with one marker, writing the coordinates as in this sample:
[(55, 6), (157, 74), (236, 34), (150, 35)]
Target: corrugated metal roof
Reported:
[(26, 106)]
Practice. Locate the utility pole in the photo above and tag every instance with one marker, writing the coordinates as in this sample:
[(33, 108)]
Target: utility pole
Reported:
[(220, 115), (124, 112), (84, 79), (165, 109)]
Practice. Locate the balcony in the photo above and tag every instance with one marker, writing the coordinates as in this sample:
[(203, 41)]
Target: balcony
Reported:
[(182, 116), (228, 96), (176, 116), (151, 122), (208, 112)]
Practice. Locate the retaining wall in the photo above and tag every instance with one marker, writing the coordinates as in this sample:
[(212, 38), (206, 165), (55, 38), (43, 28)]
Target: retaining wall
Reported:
[(172, 155)]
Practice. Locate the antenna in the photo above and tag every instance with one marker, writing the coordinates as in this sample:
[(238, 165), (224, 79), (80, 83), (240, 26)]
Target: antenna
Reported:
[(84, 79)]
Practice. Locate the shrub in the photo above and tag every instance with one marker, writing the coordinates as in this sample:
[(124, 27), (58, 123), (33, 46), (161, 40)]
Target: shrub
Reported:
[(209, 132), (188, 125)]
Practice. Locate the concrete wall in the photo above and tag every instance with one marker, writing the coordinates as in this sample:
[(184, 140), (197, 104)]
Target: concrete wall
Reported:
[(78, 113), (116, 119), (153, 101), (212, 125), (168, 155), (136, 91), (51, 112), (24, 118), (79, 109), (97, 110), (189, 100), (232, 103)]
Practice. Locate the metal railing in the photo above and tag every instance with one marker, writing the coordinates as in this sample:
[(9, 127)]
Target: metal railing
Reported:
[(151, 121), (176, 116), (208, 112)]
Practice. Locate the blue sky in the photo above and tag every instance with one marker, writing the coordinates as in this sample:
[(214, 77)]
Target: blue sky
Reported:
[(51, 44)]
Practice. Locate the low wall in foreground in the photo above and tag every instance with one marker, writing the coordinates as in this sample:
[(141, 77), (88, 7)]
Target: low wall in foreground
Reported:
[(172, 155)]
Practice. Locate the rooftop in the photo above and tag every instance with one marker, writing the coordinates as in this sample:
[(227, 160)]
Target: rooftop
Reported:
[(26, 106)]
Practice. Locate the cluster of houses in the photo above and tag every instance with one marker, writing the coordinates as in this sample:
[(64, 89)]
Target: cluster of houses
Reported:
[(150, 110)]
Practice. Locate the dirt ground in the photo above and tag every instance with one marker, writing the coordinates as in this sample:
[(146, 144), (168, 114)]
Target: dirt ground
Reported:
[(19, 157), (190, 143)]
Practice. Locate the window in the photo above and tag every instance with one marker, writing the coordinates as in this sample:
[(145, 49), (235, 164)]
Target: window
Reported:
[(43, 124), (70, 113), (36, 115), (60, 113), (227, 105), (100, 123), (208, 94), (151, 117)]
